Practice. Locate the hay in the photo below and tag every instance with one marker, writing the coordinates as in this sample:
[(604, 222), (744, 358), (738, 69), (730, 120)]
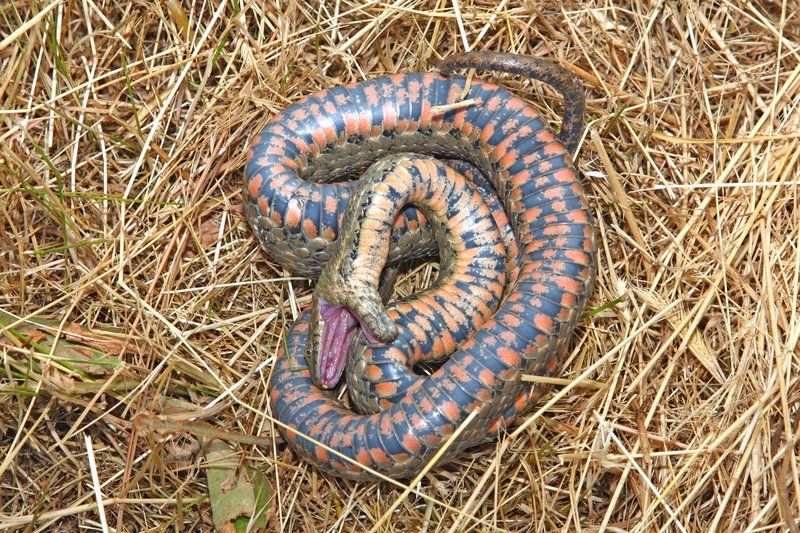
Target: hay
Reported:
[(124, 127)]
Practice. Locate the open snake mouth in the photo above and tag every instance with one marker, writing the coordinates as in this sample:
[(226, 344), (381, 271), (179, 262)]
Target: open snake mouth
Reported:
[(338, 330)]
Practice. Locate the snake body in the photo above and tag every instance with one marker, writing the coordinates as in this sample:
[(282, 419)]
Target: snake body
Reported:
[(295, 200), (433, 323)]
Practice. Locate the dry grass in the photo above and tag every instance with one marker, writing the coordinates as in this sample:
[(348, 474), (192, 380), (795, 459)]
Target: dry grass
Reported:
[(121, 153)]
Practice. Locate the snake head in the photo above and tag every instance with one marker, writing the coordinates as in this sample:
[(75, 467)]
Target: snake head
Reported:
[(336, 314)]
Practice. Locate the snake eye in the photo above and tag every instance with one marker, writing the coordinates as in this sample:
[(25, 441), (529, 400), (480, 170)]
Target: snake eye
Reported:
[(308, 352)]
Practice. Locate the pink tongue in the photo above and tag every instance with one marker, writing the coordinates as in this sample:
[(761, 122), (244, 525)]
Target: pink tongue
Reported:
[(340, 326)]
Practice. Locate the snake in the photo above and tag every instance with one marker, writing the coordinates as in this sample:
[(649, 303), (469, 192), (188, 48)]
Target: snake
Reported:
[(367, 177)]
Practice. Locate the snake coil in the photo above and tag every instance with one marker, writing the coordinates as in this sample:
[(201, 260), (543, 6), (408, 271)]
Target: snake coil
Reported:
[(295, 199)]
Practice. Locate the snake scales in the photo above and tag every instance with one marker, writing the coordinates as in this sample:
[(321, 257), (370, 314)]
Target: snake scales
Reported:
[(296, 197)]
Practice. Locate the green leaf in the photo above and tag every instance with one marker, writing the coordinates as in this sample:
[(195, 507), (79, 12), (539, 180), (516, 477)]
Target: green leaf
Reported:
[(607, 305), (240, 495), (83, 351)]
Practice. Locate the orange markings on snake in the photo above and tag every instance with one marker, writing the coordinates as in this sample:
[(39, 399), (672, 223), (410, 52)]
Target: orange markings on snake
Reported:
[(531, 279), (509, 159), (511, 321), (386, 388), (293, 215), (310, 228), (487, 377), (509, 356), (255, 184), (543, 322), (521, 400)]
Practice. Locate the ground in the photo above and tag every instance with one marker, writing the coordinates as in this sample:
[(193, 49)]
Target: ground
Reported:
[(131, 284)]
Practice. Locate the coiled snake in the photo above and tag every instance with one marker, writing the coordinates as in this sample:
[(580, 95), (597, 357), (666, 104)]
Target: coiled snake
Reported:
[(296, 197)]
